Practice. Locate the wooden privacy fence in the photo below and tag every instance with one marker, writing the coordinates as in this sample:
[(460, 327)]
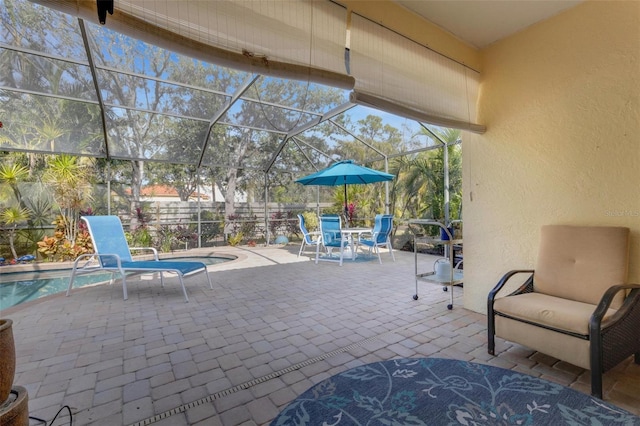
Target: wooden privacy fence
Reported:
[(189, 224), (205, 225), (209, 221)]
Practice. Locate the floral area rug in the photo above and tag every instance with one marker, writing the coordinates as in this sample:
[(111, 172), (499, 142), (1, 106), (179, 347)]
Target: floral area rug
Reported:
[(435, 391)]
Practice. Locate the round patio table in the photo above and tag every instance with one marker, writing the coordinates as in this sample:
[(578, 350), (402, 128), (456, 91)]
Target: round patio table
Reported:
[(351, 233)]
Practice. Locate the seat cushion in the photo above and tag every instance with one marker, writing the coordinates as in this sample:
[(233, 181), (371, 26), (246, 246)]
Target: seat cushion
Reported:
[(550, 311), (581, 262), (574, 350)]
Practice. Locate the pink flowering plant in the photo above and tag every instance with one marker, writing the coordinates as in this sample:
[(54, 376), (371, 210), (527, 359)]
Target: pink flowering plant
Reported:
[(351, 212)]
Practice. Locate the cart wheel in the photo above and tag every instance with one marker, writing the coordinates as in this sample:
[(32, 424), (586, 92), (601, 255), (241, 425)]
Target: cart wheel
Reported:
[(449, 307), (415, 297), (445, 288)]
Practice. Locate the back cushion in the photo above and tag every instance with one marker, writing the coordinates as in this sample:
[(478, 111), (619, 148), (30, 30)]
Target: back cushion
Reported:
[(581, 262)]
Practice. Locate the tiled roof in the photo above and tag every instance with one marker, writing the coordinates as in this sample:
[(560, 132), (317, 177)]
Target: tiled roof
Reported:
[(165, 191)]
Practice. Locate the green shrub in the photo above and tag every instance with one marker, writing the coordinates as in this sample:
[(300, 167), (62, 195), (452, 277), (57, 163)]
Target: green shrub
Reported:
[(141, 237), (311, 221), (166, 238), (235, 239), (248, 227), (211, 227)]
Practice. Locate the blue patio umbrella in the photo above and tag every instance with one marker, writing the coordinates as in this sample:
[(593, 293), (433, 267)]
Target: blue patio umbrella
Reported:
[(345, 173)]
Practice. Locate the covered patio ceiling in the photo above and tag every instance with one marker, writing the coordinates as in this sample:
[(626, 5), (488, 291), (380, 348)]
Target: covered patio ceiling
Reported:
[(70, 85)]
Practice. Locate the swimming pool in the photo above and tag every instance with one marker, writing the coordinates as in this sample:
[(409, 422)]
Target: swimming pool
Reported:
[(20, 287)]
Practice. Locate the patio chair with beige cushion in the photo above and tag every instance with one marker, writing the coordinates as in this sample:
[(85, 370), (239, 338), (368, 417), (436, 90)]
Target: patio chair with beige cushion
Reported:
[(576, 305)]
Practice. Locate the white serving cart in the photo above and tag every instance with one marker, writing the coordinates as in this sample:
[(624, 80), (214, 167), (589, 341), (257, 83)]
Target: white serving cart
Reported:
[(451, 274)]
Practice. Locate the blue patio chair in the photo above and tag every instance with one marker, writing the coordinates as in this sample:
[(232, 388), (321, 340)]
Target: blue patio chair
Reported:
[(114, 255), (380, 235), (307, 237), (331, 235)]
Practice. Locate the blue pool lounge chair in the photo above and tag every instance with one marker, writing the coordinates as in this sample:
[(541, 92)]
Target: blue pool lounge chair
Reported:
[(114, 255), (381, 235)]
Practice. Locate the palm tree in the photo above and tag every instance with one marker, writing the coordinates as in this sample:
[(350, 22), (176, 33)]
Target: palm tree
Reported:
[(11, 217), (421, 182), (12, 175), (69, 180)]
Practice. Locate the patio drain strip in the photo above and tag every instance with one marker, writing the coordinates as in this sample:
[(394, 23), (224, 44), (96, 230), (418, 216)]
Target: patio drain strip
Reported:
[(275, 374)]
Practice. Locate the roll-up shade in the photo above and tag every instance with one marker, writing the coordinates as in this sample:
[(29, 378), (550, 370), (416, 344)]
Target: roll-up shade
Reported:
[(300, 40), (400, 76), (304, 40)]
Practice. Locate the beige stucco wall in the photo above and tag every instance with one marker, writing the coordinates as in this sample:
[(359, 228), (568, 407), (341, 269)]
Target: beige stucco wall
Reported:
[(561, 101)]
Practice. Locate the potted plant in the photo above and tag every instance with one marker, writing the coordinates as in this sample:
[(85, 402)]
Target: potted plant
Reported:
[(8, 359)]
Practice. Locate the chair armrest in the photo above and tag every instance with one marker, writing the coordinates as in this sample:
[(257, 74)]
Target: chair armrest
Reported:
[(151, 249), (92, 255), (87, 256), (617, 337), (337, 235), (314, 236), (368, 235), (631, 302), (527, 287)]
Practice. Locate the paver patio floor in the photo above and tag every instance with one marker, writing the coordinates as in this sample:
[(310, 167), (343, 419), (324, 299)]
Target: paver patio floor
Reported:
[(273, 326)]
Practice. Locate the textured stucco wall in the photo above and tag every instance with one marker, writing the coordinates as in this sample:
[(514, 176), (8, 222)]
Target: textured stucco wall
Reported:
[(561, 101)]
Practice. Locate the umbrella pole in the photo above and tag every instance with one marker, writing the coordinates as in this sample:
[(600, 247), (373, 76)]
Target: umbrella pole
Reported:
[(346, 206)]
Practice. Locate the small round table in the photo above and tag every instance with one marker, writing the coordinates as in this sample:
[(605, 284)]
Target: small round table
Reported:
[(350, 234)]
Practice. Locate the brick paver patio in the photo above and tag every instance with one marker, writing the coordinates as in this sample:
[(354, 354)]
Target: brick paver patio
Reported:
[(273, 326)]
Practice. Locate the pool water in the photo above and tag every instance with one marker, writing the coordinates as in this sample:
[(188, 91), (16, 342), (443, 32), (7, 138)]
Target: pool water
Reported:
[(20, 287)]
